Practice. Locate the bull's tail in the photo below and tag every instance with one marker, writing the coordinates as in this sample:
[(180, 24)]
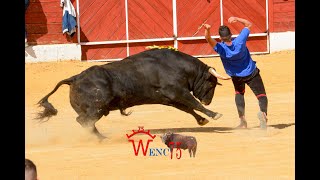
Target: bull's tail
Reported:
[(49, 110)]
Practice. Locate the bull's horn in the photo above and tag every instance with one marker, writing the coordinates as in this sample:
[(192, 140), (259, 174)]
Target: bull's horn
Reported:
[(214, 73)]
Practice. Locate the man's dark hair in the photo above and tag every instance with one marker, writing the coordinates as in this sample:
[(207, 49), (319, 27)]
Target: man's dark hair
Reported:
[(30, 169), (224, 31)]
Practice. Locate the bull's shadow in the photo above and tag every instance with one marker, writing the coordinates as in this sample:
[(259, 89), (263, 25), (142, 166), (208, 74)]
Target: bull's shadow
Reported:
[(211, 129), (193, 129)]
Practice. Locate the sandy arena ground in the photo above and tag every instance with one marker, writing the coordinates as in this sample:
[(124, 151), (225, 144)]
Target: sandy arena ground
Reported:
[(62, 149)]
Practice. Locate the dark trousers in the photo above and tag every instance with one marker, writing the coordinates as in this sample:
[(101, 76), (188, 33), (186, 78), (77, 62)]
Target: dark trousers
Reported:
[(254, 81)]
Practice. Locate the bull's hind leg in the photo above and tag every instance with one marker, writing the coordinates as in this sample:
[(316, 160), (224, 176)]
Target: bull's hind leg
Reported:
[(194, 149), (89, 123), (190, 152), (89, 99)]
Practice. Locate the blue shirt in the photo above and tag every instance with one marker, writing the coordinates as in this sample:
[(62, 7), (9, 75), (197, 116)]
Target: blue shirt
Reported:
[(236, 58)]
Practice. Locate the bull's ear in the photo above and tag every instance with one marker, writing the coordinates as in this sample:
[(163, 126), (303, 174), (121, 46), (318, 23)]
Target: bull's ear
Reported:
[(219, 84)]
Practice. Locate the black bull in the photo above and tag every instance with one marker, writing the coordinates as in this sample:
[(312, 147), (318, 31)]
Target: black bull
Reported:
[(156, 76)]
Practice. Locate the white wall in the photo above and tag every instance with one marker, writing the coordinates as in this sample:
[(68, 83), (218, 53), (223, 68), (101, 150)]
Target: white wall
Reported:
[(282, 41), (56, 52)]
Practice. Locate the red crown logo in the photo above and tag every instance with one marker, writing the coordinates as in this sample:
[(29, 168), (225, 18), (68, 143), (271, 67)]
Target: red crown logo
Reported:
[(141, 130)]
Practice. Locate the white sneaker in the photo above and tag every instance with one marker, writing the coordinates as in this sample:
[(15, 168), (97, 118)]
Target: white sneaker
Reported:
[(263, 120)]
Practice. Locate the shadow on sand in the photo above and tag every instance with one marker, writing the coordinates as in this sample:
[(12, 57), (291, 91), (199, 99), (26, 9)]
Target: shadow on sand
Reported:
[(279, 126), (282, 126), (211, 129), (193, 129)]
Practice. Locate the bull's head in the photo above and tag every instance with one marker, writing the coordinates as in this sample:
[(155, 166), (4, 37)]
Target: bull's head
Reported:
[(165, 136), (205, 92)]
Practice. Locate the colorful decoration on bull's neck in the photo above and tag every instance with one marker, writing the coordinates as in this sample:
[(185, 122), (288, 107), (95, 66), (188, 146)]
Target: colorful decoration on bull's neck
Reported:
[(161, 47)]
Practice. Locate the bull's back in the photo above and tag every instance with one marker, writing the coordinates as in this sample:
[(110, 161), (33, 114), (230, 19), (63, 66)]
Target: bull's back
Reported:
[(155, 58), (91, 86), (143, 78), (154, 65), (175, 59)]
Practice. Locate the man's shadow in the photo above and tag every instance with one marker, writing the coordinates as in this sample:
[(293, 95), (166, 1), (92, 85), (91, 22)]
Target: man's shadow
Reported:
[(28, 51), (36, 25), (36, 22), (282, 126)]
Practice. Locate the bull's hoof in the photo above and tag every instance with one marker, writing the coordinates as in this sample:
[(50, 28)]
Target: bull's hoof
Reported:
[(100, 139), (203, 122), (217, 116)]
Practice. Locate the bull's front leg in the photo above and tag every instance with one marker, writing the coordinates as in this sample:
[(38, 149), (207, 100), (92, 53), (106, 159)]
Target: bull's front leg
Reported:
[(188, 100), (200, 120)]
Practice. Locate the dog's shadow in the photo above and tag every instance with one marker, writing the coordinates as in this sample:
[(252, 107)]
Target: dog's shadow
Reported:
[(192, 129)]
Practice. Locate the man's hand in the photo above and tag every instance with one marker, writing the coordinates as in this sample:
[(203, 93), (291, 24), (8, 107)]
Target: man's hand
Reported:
[(207, 35), (207, 26), (245, 22), (232, 20)]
